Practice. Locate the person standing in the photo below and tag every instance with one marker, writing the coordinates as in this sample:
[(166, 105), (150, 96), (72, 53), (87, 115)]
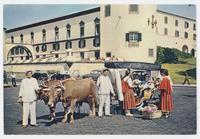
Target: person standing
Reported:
[(104, 89), (5, 79), (166, 104), (129, 96), (27, 95), (186, 79), (13, 79)]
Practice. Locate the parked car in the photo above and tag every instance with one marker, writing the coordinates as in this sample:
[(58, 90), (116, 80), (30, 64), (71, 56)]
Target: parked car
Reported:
[(58, 76), (40, 76), (94, 74)]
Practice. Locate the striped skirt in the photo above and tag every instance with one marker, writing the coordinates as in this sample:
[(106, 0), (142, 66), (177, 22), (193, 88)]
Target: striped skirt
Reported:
[(129, 100)]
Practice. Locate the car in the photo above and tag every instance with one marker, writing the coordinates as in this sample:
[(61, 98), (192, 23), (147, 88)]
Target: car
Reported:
[(141, 75), (94, 74), (40, 76), (58, 76)]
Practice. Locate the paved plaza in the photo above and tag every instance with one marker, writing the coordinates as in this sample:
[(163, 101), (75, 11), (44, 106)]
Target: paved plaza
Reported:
[(182, 120)]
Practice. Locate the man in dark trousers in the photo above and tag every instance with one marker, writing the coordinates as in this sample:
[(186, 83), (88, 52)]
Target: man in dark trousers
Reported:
[(186, 79), (13, 79)]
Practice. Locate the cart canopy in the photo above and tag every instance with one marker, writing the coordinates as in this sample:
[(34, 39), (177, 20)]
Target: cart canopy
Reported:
[(133, 65)]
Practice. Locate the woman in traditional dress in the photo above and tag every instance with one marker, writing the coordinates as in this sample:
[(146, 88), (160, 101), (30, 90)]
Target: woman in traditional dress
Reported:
[(166, 104), (129, 98)]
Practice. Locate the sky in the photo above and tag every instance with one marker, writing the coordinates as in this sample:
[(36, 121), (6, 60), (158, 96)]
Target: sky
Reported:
[(23, 14)]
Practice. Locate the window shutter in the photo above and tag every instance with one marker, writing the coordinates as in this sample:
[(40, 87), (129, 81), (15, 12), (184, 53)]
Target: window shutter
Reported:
[(79, 43), (127, 37), (94, 42), (139, 36), (70, 44), (84, 43)]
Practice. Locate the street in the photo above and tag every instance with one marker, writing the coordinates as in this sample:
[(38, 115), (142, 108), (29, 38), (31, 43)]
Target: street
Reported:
[(182, 120)]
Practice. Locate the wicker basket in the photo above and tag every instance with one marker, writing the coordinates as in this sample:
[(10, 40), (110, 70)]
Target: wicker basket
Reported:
[(153, 115)]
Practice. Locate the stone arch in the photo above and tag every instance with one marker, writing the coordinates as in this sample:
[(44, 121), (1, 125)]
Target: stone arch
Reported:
[(22, 50), (185, 48)]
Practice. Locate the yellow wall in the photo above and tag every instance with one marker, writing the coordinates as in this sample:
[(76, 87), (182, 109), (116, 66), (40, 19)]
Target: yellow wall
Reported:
[(113, 31)]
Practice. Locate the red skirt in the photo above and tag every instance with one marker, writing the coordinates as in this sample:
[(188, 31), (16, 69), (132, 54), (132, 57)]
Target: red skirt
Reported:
[(166, 103), (129, 100)]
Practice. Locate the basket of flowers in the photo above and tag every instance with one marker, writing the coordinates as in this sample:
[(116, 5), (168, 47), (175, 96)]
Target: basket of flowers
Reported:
[(151, 112)]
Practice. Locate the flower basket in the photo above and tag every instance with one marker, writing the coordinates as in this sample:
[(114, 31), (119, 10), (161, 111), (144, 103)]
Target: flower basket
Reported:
[(153, 115), (151, 112)]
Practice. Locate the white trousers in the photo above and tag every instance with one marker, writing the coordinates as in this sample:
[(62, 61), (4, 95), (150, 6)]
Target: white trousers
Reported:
[(29, 108), (104, 100)]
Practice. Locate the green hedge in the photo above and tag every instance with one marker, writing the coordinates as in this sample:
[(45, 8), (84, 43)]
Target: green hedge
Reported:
[(170, 55)]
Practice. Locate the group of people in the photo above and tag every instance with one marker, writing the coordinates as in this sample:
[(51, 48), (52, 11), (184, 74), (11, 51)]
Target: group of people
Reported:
[(13, 78), (126, 95), (128, 101)]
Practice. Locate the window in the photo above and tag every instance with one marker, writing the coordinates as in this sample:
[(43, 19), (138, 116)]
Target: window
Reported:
[(186, 35), (21, 38), (176, 22), (12, 39), (186, 24), (37, 56), (43, 35), (12, 58), (22, 57), (56, 33), (194, 36), (44, 56), (96, 41), (32, 37), (44, 48), (37, 48), (97, 26), (133, 8), (166, 20), (68, 27), (165, 31), (185, 48), (21, 50), (12, 51), (68, 45), (151, 52), (108, 54), (134, 36), (56, 46), (81, 43), (17, 50), (107, 10), (82, 31), (82, 55), (27, 57), (56, 55), (194, 26), (97, 54), (176, 33)]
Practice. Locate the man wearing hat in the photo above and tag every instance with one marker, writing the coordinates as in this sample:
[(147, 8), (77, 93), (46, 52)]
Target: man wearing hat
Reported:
[(104, 89), (27, 95)]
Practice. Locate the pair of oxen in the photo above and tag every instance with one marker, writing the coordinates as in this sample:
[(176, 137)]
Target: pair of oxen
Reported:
[(71, 92)]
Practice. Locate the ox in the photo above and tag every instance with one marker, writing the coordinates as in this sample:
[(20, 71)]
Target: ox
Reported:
[(72, 92), (45, 92)]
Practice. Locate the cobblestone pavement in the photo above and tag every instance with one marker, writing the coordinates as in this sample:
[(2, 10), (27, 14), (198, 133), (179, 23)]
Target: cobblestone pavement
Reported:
[(182, 120)]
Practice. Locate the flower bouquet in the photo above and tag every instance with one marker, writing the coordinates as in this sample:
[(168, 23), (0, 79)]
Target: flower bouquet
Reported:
[(151, 112)]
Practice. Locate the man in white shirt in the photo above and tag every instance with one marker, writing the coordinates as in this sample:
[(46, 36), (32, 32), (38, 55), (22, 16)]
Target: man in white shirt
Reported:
[(104, 89), (27, 95), (13, 79)]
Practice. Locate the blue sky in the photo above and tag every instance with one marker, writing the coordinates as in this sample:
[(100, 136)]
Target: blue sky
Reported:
[(19, 15)]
